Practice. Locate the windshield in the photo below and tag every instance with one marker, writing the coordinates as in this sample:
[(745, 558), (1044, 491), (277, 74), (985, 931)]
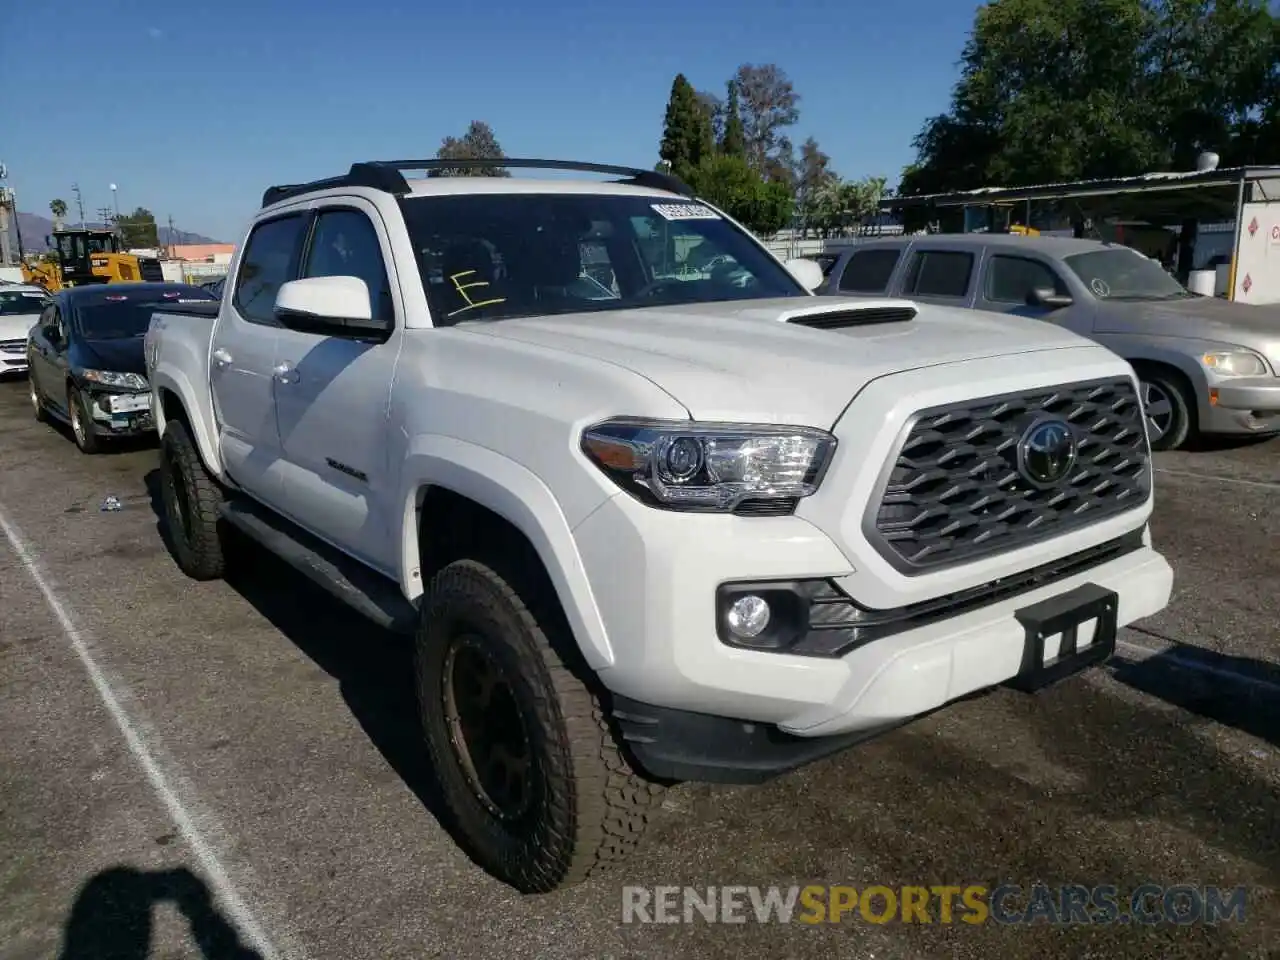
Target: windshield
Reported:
[(16, 303), (494, 256), (1124, 274), (119, 316)]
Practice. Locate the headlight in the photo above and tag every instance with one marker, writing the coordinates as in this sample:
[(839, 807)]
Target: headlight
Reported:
[(108, 378), (681, 465), (1236, 363)]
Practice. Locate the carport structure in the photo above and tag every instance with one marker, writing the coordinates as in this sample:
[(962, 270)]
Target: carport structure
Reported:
[(1243, 201)]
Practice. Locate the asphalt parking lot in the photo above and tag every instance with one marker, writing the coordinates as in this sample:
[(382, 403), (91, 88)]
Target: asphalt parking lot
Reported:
[(230, 770)]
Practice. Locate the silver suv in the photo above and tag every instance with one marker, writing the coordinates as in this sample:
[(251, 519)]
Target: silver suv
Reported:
[(1206, 365)]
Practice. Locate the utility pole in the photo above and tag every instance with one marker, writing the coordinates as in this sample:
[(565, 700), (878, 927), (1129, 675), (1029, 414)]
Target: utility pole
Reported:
[(172, 237), (5, 202), (104, 215), (75, 188)]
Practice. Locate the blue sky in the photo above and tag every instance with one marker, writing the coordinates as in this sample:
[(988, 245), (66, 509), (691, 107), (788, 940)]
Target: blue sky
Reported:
[(193, 109)]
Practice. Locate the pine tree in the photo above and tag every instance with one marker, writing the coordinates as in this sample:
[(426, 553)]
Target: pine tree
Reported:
[(686, 134), (733, 143)]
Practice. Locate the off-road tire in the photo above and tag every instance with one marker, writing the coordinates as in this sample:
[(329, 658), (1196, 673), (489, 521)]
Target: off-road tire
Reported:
[(197, 546), (77, 409), (1182, 425), (588, 808)]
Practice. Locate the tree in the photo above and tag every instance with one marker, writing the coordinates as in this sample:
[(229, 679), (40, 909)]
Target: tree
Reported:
[(686, 131), (478, 143), (1055, 90), (733, 186), (813, 179), (59, 210), (769, 105), (714, 110), (732, 139), (138, 229)]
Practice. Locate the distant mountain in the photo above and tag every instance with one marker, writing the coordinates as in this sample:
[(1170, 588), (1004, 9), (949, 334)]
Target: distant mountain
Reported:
[(35, 228)]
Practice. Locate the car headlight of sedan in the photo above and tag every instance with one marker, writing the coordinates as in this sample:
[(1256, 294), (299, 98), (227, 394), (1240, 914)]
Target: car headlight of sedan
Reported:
[(109, 378), (710, 467), (1236, 363)]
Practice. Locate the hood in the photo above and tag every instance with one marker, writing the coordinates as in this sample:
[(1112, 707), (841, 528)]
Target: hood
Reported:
[(16, 326), (1256, 326), (743, 360), (120, 356)]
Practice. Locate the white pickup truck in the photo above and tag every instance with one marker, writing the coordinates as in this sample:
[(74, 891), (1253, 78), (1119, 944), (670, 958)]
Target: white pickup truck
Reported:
[(646, 523)]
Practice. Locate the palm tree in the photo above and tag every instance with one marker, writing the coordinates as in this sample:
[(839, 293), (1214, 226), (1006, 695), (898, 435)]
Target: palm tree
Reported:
[(59, 210)]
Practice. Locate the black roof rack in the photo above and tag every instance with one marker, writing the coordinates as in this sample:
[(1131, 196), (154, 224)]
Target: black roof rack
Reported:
[(386, 175)]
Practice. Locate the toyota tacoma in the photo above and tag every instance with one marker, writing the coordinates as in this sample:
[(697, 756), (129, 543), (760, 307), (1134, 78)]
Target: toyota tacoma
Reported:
[(650, 509)]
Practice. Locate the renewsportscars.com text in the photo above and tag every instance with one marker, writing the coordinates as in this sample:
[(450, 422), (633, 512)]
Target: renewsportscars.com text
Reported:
[(973, 904)]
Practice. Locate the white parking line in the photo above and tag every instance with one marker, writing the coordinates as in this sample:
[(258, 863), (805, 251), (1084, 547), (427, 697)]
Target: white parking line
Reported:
[(1209, 477), (1221, 673), (238, 912)]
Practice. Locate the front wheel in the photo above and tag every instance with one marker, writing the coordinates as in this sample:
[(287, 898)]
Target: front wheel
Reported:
[(82, 422), (528, 767), (1168, 410)]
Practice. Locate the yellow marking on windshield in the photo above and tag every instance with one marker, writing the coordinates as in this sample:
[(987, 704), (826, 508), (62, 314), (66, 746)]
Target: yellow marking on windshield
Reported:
[(462, 289)]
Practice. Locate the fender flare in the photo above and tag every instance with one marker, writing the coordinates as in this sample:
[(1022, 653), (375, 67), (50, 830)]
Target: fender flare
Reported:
[(520, 497), (171, 378)]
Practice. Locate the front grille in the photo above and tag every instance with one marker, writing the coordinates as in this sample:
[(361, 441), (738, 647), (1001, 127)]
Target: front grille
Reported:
[(151, 270), (13, 346), (955, 492)]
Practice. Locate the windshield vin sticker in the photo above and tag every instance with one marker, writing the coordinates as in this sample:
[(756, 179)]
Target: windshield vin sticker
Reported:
[(684, 211)]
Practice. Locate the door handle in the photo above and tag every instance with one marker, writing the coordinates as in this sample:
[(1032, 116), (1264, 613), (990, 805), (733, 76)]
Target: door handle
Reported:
[(221, 358), (284, 372)]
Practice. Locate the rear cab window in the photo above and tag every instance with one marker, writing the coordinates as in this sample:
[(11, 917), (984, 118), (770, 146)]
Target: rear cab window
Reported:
[(939, 273), (869, 271)]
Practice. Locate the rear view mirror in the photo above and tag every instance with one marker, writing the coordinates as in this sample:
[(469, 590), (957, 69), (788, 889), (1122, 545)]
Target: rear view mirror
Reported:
[(332, 306), (1047, 297)]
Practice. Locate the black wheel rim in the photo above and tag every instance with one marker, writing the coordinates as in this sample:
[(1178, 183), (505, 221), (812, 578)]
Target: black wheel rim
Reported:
[(175, 499), (486, 728)]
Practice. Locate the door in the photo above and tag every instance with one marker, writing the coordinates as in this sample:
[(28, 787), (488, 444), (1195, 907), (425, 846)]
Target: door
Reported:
[(243, 353), (332, 394), (48, 357), (941, 276), (1007, 284)]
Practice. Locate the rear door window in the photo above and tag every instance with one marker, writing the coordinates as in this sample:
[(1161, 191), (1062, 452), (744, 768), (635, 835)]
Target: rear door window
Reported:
[(1011, 279), (270, 259), (939, 273), (869, 271)]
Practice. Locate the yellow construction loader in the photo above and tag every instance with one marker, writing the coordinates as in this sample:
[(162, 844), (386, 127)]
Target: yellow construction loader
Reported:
[(84, 256)]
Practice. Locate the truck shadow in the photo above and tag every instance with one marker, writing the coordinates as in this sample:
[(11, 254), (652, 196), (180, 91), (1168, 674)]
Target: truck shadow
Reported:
[(1238, 692), (374, 668), (114, 912)]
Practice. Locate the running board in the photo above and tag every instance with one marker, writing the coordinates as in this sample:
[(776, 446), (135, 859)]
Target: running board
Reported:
[(360, 588)]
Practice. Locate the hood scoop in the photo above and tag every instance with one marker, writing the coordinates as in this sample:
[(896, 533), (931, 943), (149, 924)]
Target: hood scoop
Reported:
[(853, 315)]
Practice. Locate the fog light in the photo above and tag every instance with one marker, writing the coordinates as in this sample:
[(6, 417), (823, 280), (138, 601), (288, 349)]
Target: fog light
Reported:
[(748, 616)]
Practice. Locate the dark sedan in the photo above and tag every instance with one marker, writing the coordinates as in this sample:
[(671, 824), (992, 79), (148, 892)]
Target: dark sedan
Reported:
[(86, 362)]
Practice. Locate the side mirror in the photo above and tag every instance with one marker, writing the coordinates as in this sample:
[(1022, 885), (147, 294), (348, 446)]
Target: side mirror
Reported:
[(808, 273), (1046, 297), (332, 306)]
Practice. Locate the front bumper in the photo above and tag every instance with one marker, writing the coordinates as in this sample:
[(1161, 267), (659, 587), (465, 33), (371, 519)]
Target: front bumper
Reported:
[(13, 358), (120, 413), (1247, 406), (661, 623)]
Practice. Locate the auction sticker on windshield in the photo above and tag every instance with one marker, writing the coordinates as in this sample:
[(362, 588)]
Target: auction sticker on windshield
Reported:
[(684, 211)]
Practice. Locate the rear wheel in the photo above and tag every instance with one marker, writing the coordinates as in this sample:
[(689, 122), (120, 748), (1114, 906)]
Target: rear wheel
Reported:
[(1168, 408), (528, 767), (82, 422), (191, 499)]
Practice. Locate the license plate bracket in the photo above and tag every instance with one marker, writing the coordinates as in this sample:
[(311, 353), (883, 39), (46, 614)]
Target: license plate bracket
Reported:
[(1065, 614), (124, 403)]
